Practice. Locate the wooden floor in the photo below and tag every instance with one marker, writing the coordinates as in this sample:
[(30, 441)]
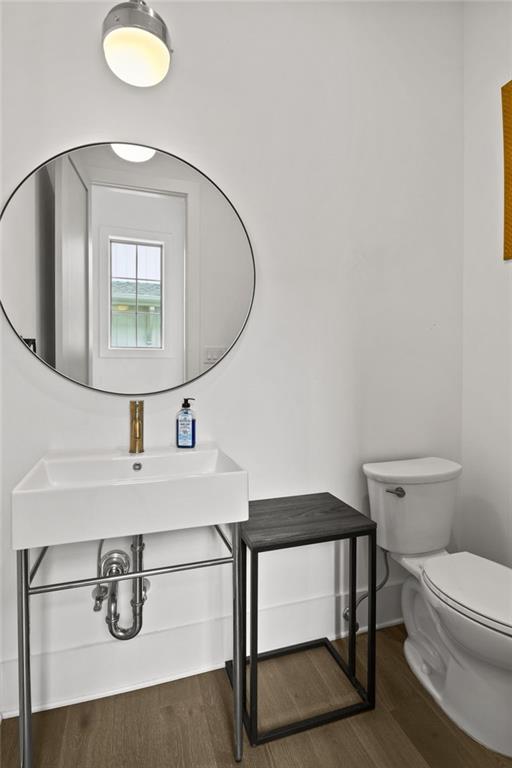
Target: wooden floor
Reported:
[(187, 723)]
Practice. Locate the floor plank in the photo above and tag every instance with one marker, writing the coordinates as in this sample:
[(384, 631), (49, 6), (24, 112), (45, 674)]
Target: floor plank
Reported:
[(218, 700), (385, 742), (188, 723), (336, 745), (138, 738), (434, 738), (87, 736), (301, 685), (9, 742), (183, 718)]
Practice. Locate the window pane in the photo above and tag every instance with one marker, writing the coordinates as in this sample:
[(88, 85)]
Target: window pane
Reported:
[(124, 295), (149, 329), (149, 296), (124, 329), (124, 257), (149, 262)]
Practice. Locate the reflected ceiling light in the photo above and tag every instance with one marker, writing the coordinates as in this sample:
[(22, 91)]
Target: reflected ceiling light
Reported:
[(136, 44), (133, 152)]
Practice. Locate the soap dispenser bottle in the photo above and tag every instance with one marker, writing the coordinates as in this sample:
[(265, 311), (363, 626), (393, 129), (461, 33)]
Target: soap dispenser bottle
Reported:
[(186, 425)]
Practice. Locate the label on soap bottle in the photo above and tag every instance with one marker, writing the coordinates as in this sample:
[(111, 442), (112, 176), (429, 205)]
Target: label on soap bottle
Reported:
[(185, 430)]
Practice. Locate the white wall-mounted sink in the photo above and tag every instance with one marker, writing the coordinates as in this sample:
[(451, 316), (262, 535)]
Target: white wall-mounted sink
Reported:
[(86, 496)]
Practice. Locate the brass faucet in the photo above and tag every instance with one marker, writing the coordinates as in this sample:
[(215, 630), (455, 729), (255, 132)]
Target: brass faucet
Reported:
[(136, 426)]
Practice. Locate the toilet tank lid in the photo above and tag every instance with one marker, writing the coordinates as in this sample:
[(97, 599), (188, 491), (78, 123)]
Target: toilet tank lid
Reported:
[(480, 586), (426, 470)]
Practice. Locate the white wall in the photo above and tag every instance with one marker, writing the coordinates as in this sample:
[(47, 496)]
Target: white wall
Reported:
[(27, 241), (484, 519), (336, 129), (20, 252), (71, 272)]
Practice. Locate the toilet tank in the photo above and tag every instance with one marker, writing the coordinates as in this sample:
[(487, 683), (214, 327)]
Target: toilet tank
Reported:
[(419, 518)]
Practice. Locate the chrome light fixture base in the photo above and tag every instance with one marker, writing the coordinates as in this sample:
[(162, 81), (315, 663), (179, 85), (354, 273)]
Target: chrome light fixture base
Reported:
[(150, 43), (137, 13)]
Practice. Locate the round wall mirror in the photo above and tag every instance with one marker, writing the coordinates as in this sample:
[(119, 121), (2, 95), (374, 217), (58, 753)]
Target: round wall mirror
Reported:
[(124, 268)]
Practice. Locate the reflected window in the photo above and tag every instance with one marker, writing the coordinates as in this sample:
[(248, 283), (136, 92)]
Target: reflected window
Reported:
[(135, 295)]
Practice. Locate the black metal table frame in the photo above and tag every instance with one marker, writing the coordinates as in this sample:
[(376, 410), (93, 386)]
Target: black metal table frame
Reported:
[(250, 718), (25, 576)]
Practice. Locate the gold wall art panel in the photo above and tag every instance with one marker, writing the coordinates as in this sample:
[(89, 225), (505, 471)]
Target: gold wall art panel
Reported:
[(506, 101)]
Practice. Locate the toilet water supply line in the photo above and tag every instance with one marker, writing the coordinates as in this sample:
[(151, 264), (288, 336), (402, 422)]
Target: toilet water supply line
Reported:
[(115, 564), (346, 612)]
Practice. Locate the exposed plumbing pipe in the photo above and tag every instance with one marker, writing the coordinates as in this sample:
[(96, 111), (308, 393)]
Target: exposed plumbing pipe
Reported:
[(138, 596), (382, 582), (98, 558)]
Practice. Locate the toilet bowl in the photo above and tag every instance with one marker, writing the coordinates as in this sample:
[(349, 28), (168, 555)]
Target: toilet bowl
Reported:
[(457, 608)]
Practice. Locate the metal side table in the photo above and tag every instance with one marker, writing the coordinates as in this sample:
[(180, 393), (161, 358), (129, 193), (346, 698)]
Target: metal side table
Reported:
[(295, 521)]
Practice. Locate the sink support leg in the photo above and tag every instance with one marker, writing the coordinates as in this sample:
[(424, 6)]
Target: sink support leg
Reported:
[(238, 652), (25, 697)]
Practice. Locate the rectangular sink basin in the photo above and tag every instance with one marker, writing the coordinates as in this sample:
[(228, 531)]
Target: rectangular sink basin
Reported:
[(82, 497)]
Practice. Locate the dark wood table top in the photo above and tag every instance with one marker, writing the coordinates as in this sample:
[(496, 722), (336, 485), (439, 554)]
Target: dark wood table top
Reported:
[(292, 521)]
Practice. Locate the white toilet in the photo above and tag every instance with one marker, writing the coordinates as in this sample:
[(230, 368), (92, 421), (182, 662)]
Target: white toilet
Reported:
[(457, 608)]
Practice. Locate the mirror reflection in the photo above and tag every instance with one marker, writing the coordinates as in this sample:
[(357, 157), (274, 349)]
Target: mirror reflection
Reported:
[(125, 268)]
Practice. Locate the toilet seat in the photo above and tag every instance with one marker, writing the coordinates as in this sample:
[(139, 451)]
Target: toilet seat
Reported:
[(475, 587)]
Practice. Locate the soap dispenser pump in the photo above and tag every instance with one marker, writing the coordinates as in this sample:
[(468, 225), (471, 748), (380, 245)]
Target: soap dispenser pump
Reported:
[(186, 425)]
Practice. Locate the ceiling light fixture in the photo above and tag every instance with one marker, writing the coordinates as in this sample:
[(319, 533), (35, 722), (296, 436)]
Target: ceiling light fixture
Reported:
[(133, 152), (136, 44)]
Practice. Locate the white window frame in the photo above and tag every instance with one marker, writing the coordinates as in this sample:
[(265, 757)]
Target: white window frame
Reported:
[(163, 292), (173, 340)]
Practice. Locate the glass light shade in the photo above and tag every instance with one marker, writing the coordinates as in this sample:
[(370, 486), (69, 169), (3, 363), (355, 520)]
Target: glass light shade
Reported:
[(134, 153), (136, 56)]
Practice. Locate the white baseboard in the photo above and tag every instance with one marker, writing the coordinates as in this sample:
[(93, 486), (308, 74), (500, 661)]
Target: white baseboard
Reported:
[(70, 676)]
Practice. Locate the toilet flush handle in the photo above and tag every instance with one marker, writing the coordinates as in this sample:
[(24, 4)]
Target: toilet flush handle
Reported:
[(397, 491)]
